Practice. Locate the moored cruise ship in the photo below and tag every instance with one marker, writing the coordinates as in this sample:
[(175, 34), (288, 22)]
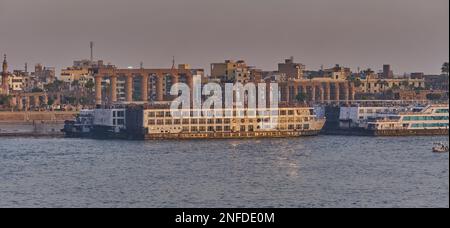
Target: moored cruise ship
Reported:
[(397, 121), (157, 122)]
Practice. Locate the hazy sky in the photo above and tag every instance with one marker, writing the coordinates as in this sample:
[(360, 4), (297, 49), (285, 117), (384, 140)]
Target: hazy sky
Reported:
[(412, 35)]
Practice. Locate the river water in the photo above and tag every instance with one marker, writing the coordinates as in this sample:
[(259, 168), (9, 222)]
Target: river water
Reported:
[(323, 171)]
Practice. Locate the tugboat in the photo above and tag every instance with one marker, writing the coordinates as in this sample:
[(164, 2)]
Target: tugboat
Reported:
[(440, 148)]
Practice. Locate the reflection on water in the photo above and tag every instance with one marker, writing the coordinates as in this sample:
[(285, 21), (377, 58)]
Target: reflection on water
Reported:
[(319, 171)]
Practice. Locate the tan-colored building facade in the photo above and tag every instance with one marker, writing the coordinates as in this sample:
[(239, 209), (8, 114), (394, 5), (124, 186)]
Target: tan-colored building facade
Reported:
[(318, 90), (378, 85), (231, 71), (292, 70), (154, 84), (72, 74)]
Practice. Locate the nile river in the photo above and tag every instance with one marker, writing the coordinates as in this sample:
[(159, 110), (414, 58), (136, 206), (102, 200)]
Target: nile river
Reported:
[(323, 171)]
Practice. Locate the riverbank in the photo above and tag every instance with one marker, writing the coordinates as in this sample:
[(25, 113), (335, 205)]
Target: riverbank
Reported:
[(33, 124)]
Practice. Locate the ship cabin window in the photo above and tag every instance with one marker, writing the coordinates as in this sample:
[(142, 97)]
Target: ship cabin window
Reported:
[(250, 128), (369, 111), (274, 113), (242, 128), (219, 128), (185, 121), (160, 114), (185, 129), (151, 122), (227, 128), (228, 113), (186, 114), (306, 126), (114, 122), (177, 121), (251, 113), (151, 114), (361, 111), (218, 121), (194, 121), (210, 128), (282, 112), (442, 111), (291, 112), (226, 121), (194, 129), (202, 121), (291, 127), (120, 121), (114, 113), (210, 121), (299, 126), (160, 122), (168, 114), (120, 114)]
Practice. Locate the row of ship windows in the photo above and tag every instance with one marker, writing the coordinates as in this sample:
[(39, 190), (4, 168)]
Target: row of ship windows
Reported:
[(418, 118), (228, 128), (425, 125), (222, 121), (371, 111), (441, 111), (231, 113)]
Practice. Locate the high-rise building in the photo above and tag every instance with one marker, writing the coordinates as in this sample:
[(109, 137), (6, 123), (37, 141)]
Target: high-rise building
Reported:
[(291, 69), (387, 71), (231, 71)]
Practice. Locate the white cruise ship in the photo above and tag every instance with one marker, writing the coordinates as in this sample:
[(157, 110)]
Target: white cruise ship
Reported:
[(393, 121)]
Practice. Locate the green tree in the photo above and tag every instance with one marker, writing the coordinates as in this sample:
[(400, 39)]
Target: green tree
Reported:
[(5, 99), (434, 96), (302, 97), (89, 85), (37, 90)]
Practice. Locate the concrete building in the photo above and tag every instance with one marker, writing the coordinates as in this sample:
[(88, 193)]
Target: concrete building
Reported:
[(16, 82), (294, 71), (71, 74), (317, 90), (231, 71), (337, 73), (44, 75), (387, 71), (141, 85), (379, 85)]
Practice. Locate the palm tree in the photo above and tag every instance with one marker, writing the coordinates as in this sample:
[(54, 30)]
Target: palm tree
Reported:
[(445, 68), (302, 97)]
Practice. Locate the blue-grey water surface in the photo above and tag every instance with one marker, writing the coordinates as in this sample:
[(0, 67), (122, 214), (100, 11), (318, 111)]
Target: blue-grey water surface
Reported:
[(323, 171)]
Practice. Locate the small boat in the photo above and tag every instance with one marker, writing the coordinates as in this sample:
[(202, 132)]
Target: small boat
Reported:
[(440, 148)]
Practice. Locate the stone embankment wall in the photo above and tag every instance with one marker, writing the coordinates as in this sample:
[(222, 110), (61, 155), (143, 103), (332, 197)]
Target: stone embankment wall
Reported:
[(33, 124)]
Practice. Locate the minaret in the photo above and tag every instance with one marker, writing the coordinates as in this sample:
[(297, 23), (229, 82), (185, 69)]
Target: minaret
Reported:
[(5, 76)]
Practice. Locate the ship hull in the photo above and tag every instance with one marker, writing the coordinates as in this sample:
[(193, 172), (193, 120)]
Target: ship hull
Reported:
[(236, 135), (398, 132)]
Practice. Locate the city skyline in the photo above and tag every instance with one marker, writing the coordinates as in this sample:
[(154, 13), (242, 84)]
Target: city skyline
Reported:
[(202, 32)]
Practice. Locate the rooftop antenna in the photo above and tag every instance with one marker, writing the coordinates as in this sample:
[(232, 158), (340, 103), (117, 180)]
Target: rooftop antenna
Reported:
[(92, 51), (26, 67), (142, 65)]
